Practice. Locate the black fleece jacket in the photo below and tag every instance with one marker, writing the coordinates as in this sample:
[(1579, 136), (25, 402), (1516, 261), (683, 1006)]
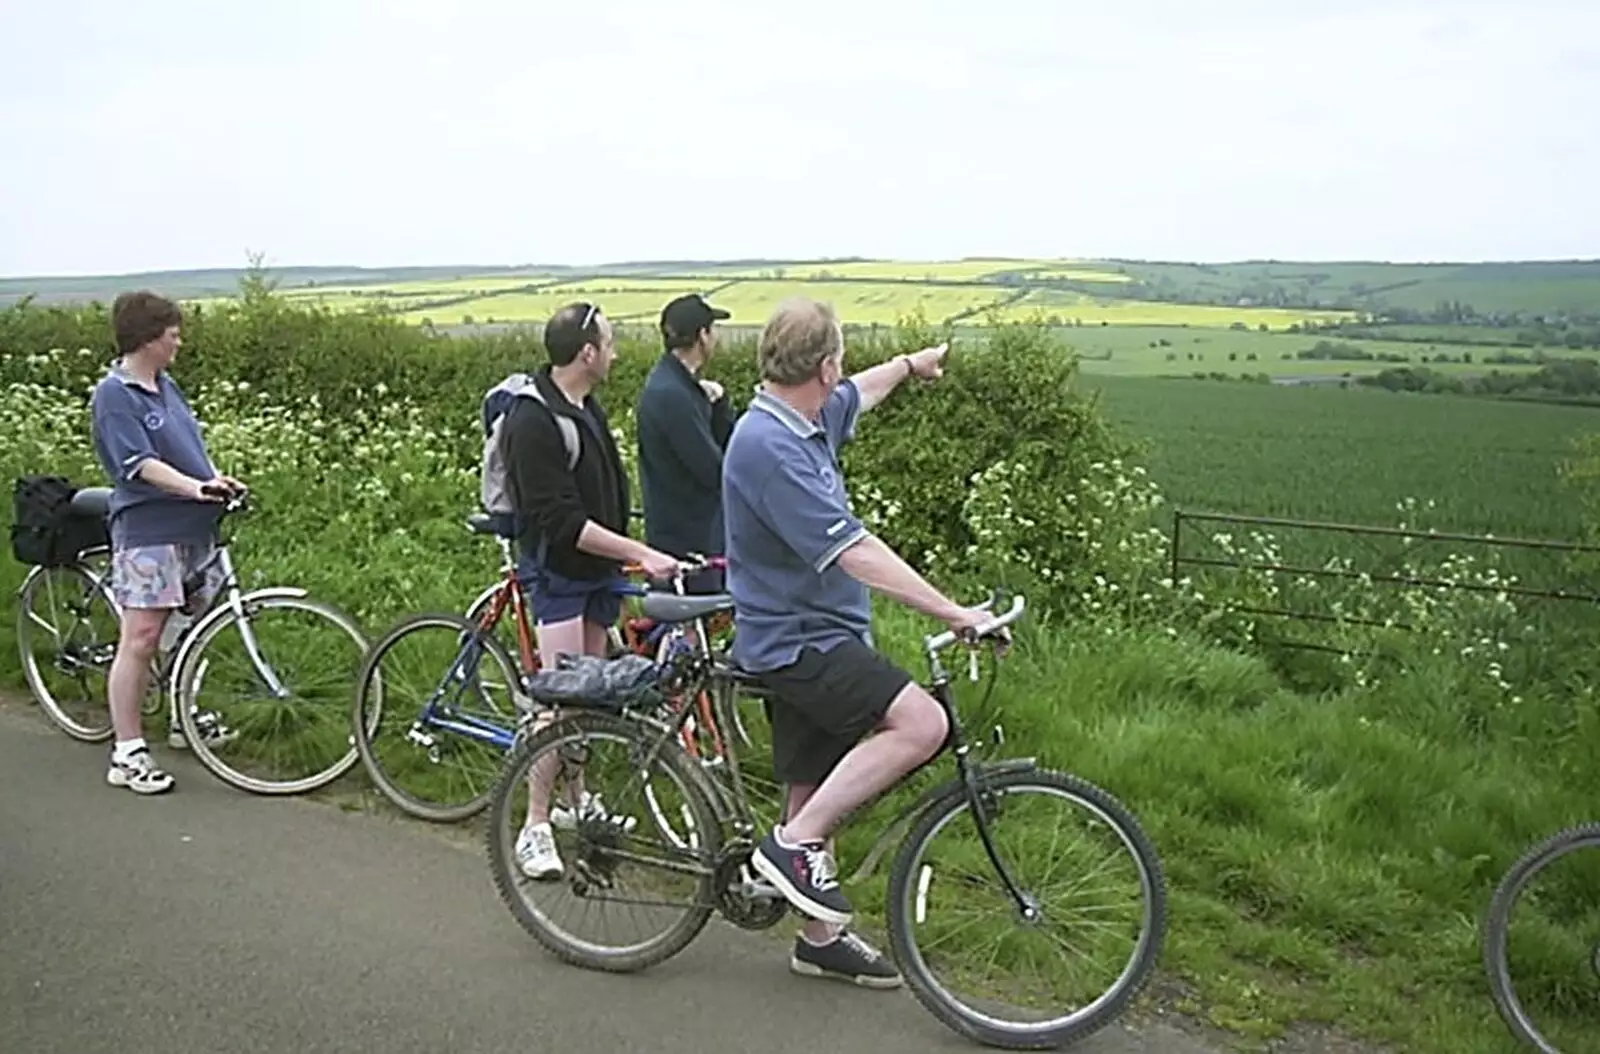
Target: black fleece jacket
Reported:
[(552, 503)]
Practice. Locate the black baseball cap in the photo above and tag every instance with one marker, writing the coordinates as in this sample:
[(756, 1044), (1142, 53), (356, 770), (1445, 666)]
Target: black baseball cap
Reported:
[(686, 316)]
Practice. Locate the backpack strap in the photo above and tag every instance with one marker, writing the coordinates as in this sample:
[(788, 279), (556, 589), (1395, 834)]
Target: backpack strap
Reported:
[(565, 424)]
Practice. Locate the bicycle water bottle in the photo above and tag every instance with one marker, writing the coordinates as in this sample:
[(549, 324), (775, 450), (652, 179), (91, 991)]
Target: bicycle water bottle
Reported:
[(177, 624)]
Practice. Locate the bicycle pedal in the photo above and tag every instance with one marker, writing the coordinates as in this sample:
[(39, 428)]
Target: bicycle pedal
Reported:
[(761, 889)]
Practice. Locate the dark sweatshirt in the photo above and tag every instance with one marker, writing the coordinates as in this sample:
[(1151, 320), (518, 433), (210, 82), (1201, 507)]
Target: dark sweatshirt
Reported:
[(552, 503), (682, 435)]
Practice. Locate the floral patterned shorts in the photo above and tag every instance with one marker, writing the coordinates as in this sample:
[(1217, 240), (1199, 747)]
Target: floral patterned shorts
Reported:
[(154, 576)]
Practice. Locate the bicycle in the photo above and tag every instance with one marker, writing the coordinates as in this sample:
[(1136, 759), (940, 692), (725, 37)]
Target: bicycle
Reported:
[(453, 742), (225, 743), (75, 592), (1565, 931), (721, 832), (507, 594)]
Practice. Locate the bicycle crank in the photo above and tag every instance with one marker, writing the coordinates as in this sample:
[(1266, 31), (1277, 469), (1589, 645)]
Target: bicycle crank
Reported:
[(744, 899)]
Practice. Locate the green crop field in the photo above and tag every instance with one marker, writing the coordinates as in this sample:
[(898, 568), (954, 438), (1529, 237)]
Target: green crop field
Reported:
[(622, 299), (1180, 351), (1354, 455)]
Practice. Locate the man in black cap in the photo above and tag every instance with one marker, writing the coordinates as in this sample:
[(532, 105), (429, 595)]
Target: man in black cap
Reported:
[(684, 424)]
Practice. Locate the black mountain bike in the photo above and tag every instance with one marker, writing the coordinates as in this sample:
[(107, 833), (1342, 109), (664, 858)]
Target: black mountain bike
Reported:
[(1018, 986)]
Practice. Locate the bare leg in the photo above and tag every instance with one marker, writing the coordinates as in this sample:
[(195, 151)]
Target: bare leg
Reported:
[(570, 637), (129, 676), (912, 731), (816, 931)]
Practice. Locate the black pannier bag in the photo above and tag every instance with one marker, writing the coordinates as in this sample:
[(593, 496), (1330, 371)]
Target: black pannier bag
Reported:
[(45, 529)]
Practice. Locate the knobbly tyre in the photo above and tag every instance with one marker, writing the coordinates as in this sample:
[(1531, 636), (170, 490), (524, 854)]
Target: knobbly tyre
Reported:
[(1564, 939), (710, 856)]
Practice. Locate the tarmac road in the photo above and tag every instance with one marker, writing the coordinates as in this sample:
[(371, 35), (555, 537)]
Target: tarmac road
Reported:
[(207, 921)]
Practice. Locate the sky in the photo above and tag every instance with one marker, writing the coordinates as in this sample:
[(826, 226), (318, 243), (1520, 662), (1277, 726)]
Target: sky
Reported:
[(181, 134)]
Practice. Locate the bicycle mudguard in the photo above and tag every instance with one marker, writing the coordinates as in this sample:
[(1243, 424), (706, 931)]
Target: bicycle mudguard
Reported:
[(981, 770), (221, 608)]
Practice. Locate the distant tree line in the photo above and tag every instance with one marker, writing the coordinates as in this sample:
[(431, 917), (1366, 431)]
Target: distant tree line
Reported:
[(1559, 380)]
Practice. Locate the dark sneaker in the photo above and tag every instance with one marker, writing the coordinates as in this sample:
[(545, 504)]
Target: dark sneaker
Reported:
[(845, 958), (806, 876)]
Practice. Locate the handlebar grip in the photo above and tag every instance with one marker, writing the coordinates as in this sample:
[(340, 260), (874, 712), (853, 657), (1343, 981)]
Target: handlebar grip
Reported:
[(948, 637)]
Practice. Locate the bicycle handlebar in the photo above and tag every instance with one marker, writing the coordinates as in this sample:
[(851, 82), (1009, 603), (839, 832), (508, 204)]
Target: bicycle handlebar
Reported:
[(694, 562), (937, 643), (233, 501)]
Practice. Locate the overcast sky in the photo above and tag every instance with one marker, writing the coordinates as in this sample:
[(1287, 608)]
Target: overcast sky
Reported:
[(176, 133)]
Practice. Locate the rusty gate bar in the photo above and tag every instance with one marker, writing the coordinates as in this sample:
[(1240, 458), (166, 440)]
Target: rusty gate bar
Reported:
[(1180, 515), (1404, 580), (1178, 560)]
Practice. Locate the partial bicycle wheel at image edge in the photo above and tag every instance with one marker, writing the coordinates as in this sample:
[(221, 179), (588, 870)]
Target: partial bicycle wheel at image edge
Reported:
[(1541, 944)]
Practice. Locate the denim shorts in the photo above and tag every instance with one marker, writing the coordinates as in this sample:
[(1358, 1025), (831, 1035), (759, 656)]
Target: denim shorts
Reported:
[(557, 598)]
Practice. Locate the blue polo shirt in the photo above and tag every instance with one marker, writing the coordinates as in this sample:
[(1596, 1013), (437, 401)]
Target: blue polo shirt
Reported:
[(788, 518), (131, 424)]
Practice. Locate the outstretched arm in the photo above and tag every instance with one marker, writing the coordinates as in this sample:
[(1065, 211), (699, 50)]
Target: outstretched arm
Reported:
[(877, 382), (879, 568)]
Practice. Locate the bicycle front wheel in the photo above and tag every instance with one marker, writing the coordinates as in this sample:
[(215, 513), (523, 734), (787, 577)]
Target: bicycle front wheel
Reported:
[(276, 687), (1545, 978), (435, 714), (1086, 870)]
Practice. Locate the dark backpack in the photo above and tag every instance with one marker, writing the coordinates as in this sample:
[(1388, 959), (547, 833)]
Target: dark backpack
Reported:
[(45, 530)]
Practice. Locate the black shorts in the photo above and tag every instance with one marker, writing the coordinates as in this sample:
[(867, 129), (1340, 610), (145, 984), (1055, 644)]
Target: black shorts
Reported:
[(824, 704)]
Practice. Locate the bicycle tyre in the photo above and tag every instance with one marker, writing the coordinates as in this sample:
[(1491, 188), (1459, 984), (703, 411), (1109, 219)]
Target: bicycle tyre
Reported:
[(363, 731), (83, 733), (185, 691), (1110, 1005), (1497, 923), (502, 860)]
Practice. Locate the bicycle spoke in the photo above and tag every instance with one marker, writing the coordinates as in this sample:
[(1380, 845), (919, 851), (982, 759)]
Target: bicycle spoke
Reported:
[(973, 956), (619, 872), (281, 743), (67, 633), (441, 698), (1543, 944)]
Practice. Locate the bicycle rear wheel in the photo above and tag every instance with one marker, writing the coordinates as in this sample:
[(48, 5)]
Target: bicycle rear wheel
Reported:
[(67, 630), (1024, 990), (440, 676), (1555, 1006), (610, 856)]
